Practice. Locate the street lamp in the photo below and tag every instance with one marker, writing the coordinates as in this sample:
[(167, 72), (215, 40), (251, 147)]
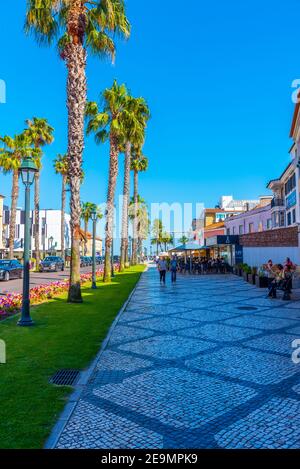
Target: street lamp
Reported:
[(94, 219), (51, 239), (27, 170)]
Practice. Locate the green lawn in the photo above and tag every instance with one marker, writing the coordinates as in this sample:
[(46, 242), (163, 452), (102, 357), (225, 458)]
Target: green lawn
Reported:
[(64, 336)]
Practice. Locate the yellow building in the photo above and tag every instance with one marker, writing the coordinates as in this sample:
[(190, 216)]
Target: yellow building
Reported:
[(87, 240)]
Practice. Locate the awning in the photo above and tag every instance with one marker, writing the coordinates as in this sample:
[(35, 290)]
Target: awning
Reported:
[(187, 247)]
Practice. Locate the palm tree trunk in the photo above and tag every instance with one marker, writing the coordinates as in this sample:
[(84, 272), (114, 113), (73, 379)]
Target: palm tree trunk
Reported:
[(85, 241), (126, 191), (75, 56), (135, 220), (140, 247), (62, 220), (112, 181), (13, 212), (37, 220)]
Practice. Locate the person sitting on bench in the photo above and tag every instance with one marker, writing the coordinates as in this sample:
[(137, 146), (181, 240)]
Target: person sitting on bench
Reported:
[(287, 283), (277, 282)]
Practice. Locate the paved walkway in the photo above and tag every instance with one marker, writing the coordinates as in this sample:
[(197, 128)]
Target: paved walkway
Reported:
[(203, 364)]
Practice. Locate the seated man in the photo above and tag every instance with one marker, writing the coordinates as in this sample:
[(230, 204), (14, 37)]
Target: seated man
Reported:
[(278, 280), (287, 283)]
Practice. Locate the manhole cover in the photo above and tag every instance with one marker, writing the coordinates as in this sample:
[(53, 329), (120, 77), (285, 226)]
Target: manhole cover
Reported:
[(247, 308), (65, 377)]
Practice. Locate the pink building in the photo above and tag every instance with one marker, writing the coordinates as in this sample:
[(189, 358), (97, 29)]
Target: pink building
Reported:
[(252, 221)]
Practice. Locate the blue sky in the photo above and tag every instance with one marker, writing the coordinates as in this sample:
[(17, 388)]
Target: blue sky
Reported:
[(217, 77)]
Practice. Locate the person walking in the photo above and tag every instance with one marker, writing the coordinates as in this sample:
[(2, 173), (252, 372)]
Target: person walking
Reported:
[(162, 268), (173, 266)]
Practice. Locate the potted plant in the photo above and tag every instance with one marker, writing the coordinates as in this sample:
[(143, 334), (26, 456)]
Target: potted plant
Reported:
[(239, 270), (261, 280), (246, 271), (252, 275)]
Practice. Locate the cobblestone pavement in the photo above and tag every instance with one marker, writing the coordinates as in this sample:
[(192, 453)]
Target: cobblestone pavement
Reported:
[(185, 367)]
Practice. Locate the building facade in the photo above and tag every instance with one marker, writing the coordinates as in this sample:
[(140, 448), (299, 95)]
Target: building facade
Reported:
[(229, 204), (50, 230), (285, 207), (252, 221)]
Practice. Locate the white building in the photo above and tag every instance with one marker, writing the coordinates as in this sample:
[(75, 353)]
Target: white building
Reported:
[(228, 203), (50, 224), (286, 189)]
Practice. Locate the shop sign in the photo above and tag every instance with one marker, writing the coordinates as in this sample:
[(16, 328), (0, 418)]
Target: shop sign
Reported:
[(291, 200), (228, 239)]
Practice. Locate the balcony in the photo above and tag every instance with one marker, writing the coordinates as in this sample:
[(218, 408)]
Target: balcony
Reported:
[(277, 203)]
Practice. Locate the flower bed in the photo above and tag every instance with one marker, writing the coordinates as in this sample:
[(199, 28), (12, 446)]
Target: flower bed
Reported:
[(11, 303)]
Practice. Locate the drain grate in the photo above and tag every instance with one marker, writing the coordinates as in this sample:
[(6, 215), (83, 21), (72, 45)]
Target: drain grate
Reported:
[(247, 308), (65, 377)]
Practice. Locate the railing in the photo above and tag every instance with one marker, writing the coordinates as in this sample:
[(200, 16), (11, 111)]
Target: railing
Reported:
[(277, 203)]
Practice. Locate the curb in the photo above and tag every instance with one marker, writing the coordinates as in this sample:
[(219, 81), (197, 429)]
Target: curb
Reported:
[(84, 379)]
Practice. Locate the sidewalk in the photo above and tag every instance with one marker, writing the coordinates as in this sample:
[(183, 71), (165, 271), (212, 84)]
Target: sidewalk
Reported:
[(205, 363)]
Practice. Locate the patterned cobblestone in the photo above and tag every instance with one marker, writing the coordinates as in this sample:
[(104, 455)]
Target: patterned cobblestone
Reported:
[(245, 364), (92, 427), (219, 332), (166, 347), (276, 425), (177, 398), (186, 368)]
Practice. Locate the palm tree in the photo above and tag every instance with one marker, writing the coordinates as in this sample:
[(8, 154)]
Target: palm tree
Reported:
[(184, 240), (143, 221), (157, 232), (11, 155), (40, 133), (108, 124), (61, 167), (81, 25), (167, 239), (87, 209), (139, 163), (136, 115)]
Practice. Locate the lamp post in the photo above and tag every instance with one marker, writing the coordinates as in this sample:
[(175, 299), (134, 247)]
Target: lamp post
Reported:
[(94, 219), (51, 239), (27, 170)]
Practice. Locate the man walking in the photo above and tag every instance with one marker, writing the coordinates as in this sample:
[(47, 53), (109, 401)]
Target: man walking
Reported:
[(173, 266), (162, 268)]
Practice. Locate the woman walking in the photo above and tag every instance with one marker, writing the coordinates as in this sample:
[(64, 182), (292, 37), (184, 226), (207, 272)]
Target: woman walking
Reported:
[(162, 268)]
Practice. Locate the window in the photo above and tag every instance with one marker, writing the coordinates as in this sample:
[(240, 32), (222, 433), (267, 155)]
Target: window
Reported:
[(233, 230), (281, 219), (251, 227), (241, 229), (260, 226), (269, 223), (290, 184), (289, 219), (294, 216), (228, 231)]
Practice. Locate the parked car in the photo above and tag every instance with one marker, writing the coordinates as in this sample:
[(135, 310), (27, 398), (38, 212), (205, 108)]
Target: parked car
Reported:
[(83, 261), (52, 263), (89, 260), (10, 269)]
